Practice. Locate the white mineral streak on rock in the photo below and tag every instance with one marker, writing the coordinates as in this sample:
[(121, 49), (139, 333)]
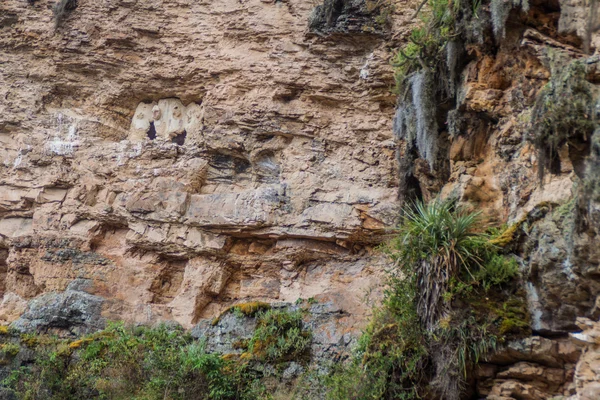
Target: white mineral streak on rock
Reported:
[(65, 140), (364, 71), (535, 308)]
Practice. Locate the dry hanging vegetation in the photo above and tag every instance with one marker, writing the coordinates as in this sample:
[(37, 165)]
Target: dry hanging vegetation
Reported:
[(452, 295), (563, 114), (62, 9)]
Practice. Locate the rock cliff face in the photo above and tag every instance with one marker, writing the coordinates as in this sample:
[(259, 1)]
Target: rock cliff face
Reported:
[(490, 153), (163, 160), (180, 156)]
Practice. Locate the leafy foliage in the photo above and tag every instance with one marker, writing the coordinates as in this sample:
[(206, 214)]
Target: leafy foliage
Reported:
[(133, 363), (9, 350), (164, 362), (497, 271), (279, 335), (448, 304)]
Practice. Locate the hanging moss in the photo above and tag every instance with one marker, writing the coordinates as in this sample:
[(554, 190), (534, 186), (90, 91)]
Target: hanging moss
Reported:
[(426, 72), (500, 10), (563, 114), (62, 9), (591, 183), (415, 120), (508, 235)]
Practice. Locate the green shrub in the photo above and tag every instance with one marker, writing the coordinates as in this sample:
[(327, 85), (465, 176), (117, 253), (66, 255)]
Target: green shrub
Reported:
[(279, 336), (133, 363), (498, 270), (450, 299), (10, 350)]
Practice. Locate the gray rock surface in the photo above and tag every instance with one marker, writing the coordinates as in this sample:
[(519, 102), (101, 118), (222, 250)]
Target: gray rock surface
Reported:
[(330, 341), (71, 311)]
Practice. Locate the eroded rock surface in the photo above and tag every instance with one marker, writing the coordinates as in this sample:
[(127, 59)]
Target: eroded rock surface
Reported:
[(180, 156), (163, 160)]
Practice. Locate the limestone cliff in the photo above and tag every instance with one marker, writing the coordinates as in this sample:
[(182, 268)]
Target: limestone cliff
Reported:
[(162, 160), (176, 157)]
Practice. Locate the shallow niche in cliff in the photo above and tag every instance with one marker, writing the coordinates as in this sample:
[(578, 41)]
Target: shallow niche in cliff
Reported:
[(166, 284), (151, 131), (228, 168), (179, 138), (351, 16), (266, 167)]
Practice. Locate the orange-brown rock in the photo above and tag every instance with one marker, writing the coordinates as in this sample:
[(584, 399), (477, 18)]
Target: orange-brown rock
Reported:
[(180, 156)]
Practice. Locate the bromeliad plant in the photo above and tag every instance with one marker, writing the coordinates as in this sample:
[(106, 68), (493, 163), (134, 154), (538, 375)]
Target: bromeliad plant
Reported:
[(435, 243), (446, 305), (455, 269)]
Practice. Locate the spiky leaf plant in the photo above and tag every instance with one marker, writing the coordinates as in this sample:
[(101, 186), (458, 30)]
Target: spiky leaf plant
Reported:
[(438, 241), (450, 299)]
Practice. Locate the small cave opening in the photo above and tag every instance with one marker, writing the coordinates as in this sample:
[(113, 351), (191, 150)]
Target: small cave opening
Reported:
[(409, 186), (413, 189), (179, 139), (336, 11), (151, 131), (241, 165)]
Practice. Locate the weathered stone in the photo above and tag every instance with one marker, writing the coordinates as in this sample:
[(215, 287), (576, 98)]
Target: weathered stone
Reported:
[(71, 311), (533, 372), (587, 371), (15, 227), (168, 162)]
